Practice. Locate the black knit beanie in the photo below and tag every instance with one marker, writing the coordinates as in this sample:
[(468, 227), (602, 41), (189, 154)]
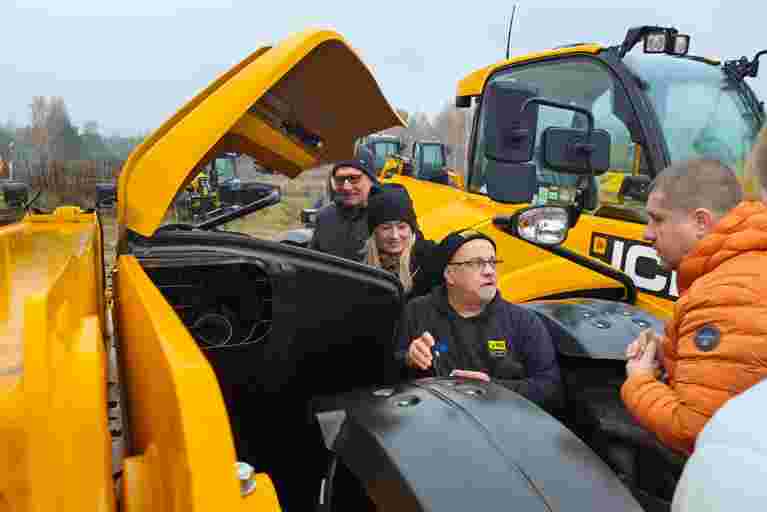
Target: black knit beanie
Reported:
[(362, 161), (390, 204), (454, 241)]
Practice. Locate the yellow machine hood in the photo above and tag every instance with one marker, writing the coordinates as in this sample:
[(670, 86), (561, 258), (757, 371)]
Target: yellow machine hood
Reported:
[(312, 82)]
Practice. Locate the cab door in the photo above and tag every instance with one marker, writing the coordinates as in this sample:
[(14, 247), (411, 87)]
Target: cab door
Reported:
[(612, 227)]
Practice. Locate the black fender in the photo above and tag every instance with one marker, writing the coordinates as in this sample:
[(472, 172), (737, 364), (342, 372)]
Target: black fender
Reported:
[(593, 328), (451, 445)]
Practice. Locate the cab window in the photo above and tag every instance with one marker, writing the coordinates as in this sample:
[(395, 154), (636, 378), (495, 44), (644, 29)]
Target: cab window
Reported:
[(701, 111), (432, 155), (382, 151), (584, 82)]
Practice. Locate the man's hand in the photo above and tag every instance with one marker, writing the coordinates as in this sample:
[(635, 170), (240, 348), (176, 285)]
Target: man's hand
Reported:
[(644, 362), (419, 352), (467, 374), (637, 347)]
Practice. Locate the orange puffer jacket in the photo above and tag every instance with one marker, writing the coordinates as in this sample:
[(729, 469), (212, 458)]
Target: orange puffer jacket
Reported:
[(716, 343)]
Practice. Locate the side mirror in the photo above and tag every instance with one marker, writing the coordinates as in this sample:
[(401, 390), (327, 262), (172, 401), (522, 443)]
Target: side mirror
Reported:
[(569, 150), (511, 183), (541, 225), (634, 187), (309, 217), (510, 126)]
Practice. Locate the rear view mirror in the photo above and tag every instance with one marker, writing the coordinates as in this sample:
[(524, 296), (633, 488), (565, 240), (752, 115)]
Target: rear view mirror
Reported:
[(511, 183), (510, 130), (635, 188), (570, 151)]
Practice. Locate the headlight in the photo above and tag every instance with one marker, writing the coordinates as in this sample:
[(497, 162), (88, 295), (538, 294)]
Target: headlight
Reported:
[(681, 44), (655, 42), (545, 225)]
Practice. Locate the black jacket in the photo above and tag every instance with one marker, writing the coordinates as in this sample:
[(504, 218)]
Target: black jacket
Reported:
[(506, 341), (341, 231)]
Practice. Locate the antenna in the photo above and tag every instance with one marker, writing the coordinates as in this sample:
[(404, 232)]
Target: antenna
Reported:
[(508, 37)]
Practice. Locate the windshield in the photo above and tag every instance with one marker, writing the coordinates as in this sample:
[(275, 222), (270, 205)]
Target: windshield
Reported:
[(701, 111), (432, 155), (382, 150), (581, 81), (225, 169)]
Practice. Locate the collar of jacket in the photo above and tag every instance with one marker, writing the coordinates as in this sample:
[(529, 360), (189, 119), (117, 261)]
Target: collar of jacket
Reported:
[(743, 229), (439, 294), (350, 212)]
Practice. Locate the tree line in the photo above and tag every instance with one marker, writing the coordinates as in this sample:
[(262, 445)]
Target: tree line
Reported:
[(450, 125), (51, 136)]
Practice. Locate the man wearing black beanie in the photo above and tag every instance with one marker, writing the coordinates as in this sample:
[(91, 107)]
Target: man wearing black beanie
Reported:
[(341, 227), (465, 329)]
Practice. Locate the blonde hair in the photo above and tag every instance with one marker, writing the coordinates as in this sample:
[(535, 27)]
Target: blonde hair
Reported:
[(373, 258)]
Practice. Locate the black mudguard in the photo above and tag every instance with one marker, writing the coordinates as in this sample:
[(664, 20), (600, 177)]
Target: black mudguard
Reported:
[(450, 445), (593, 328)]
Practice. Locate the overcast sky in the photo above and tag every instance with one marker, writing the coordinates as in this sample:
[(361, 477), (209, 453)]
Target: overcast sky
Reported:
[(130, 64)]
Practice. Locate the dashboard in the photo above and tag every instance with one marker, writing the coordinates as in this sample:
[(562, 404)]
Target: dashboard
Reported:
[(225, 304)]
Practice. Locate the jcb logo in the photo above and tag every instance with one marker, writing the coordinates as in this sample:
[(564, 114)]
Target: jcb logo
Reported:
[(638, 260)]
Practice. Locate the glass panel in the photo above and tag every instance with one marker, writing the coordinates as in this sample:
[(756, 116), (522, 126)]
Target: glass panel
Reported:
[(576, 81), (701, 111), (382, 150), (432, 155)]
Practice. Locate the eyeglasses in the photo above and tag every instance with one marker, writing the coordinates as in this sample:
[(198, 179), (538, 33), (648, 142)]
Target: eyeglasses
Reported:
[(353, 180), (478, 263)]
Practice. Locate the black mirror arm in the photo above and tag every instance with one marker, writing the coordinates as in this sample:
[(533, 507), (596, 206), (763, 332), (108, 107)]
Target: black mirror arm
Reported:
[(574, 108)]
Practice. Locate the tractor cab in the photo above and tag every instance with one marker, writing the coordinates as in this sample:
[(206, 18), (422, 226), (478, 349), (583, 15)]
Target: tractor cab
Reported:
[(383, 147), (655, 102), (430, 161)]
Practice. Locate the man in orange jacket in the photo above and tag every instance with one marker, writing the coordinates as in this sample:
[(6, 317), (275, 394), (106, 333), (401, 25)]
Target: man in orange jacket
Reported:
[(715, 346)]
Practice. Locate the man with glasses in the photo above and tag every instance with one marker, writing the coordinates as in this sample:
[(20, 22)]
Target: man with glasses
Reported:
[(465, 329), (341, 227)]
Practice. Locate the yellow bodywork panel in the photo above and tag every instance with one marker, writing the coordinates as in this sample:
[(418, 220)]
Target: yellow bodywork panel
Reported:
[(474, 83), (53, 367), (313, 80), (527, 272), (182, 449)]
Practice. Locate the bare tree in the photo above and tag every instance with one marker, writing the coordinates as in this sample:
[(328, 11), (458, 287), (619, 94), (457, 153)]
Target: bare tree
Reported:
[(38, 128), (450, 126)]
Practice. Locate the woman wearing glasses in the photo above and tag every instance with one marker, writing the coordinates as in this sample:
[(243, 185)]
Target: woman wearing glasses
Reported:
[(394, 243)]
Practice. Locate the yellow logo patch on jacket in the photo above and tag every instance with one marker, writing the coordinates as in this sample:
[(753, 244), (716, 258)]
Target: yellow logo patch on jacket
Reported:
[(497, 347)]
